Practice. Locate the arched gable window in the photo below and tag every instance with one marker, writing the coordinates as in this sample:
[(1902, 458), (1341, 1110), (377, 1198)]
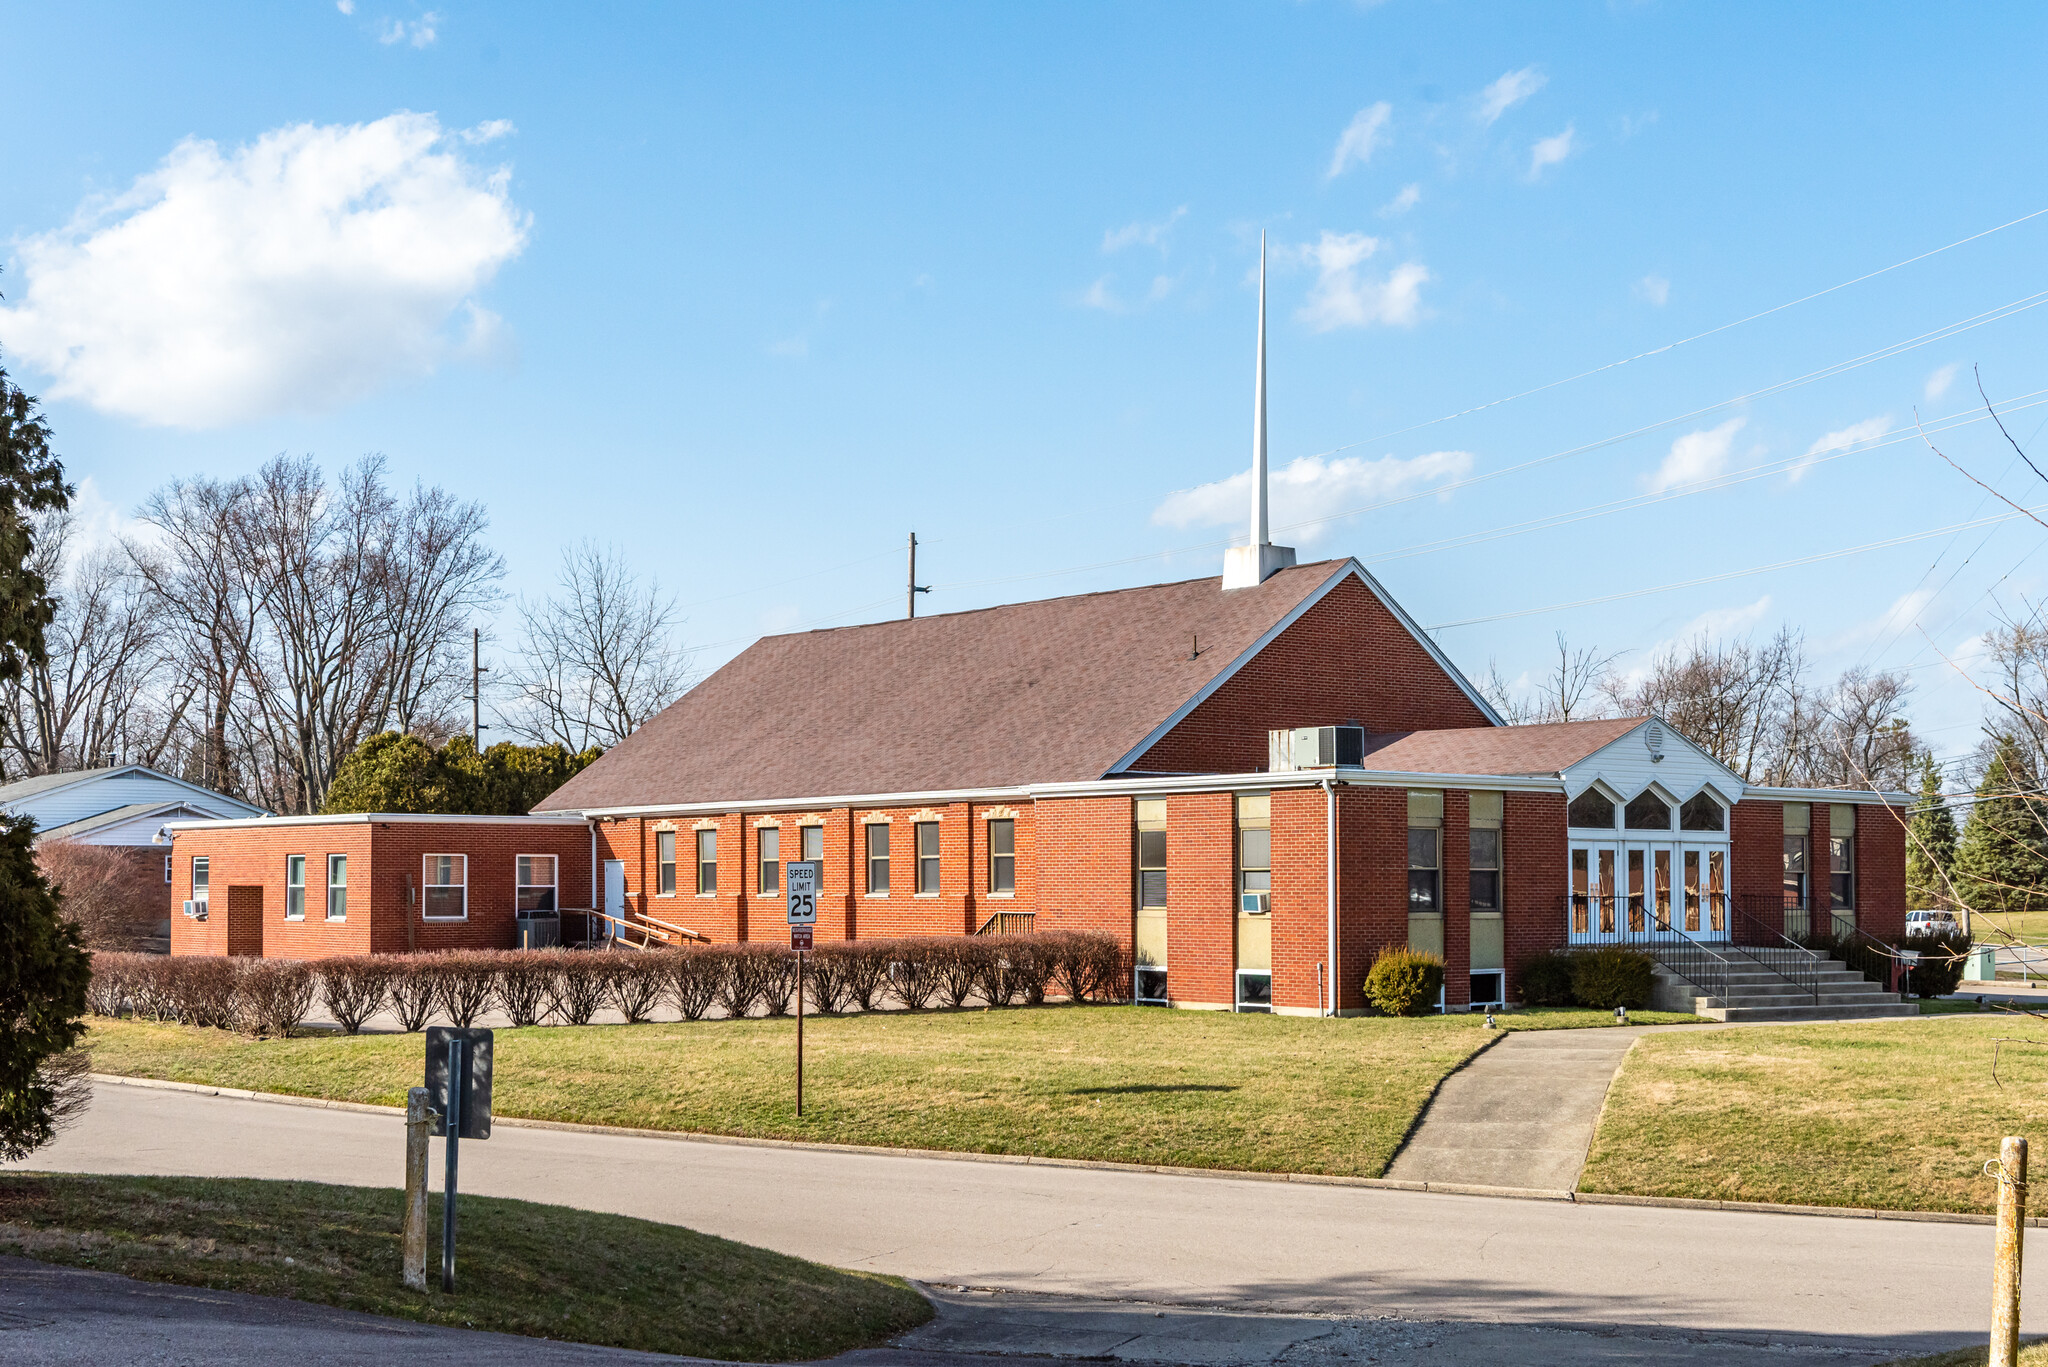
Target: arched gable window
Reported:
[(1591, 810), (1702, 813), (1647, 812)]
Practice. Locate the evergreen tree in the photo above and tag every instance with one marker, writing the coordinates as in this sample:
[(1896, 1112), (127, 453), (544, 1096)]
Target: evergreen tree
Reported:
[(43, 974), (1930, 843), (2002, 863), (400, 773), (31, 481)]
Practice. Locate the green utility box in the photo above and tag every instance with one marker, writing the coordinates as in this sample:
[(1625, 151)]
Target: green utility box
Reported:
[(1981, 964)]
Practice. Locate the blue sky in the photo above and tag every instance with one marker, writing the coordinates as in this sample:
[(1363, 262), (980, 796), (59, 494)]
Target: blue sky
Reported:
[(755, 291)]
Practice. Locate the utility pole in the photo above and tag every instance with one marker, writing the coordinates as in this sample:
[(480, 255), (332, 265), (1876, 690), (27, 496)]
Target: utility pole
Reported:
[(476, 675), (915, 587)]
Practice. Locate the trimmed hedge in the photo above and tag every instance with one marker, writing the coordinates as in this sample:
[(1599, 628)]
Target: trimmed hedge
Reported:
[(1603, 976), (532, 987), (1404, 981)]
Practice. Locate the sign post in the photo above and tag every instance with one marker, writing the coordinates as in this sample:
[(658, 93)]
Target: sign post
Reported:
[(802, 878), (459, 1075)]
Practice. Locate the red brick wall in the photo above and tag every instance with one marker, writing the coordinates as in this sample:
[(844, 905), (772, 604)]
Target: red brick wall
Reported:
[(1372, 856), (1535, 878), (1881, 872), (1456, 891), (1756, 830), (1301, 924), (1084, 857), (381, 857), (1201, 898), (1347, 659)]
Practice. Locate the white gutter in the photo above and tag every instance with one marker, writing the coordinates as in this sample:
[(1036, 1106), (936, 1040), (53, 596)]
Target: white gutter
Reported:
[(1845, 795), (227, 823)]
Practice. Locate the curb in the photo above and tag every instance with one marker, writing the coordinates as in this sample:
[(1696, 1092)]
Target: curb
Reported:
[(1588, 1198)]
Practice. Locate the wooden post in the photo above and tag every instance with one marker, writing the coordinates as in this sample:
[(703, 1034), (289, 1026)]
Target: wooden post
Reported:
[(2005, 1281), (418, 1121)]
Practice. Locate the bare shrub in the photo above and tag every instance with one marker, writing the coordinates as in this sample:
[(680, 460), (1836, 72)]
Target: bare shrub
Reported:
[(464, 985), (113, 981), (521, 983), (636, 982), (826, 968), (203, 988), (740, 984), (694, 978), (579, 984), (1030, 964), (353, 989), (151, 990), (274, 996), (1073, 968), (867, 967), (914, 976), (994, 976), (778, 977), (97, 887), (414, 986), (1111, 970), (959, 970)]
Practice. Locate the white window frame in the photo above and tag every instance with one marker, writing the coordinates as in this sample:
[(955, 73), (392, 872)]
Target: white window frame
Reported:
[(698, 862), (199, 895), (427, 885), (554, 885), (919, 858), (167, 867), (869, 861), (333, 887), (990, 841), (290, 888), (665, 869), (768, 887)]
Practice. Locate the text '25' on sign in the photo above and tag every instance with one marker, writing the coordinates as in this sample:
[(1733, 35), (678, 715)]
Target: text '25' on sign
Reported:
[(802, 878)]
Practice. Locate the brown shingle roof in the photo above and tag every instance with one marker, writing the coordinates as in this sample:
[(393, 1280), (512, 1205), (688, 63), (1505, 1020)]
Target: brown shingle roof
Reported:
[(1057, 690), (1507, 751)]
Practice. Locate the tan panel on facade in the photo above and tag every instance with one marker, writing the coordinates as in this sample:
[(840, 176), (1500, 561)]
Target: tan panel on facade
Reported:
[(1486, 810), (1797, 817), (1426, 934), (1425, 807), (1151, 937), (1254, 809), (1842, 819), (1489, 943), (1152, 814), (1255, 943)]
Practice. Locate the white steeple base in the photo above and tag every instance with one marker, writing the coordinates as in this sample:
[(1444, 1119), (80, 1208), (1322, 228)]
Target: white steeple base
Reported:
[(1247, 567)]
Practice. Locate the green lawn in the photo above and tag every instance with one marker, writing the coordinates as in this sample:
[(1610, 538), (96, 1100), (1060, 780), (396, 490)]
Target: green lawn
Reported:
[(2002, 927), (2034, 1354), (522, 1268), (1130, 1084), (1898, 1115)]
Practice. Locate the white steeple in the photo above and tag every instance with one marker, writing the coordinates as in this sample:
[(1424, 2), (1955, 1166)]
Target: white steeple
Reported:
[(1247, 566)]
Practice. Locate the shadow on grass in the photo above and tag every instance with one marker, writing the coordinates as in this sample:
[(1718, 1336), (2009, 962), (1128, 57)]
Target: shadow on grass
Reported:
[(1136, 1088)]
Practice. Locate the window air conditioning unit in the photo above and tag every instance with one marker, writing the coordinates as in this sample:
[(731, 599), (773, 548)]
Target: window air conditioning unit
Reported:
[(1255, 903), (196, 910), (1314, 747)]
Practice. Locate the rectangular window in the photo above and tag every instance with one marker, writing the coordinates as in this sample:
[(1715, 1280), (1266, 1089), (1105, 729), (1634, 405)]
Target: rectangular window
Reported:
[(814, 843), (536, 875), (1152, 868), (927, 858), (167, 868), (1254, 902), (295, 887), (1692, 890), (1422, 872), (447, 885), (665, 863), (1149, 933), (878, 860), (770, 839), (1842, 858), (337, 887), (1484, 872), (199, 876), (707, 863), (1002, 858)]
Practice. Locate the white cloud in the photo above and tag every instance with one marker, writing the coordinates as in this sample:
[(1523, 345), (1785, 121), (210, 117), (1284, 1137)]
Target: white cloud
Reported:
[(419, 32), (1507, 92), (1715, 624), (98, 523), (1366, 134), (1940, 380), (345, 6), (1902, 616), (1343, 297), (1843, 439), (1696, 456), (295, 273), (1551, 150), (490, 130), (1141, 234), (1310, 488), (1655, 289), (1100, 296), (1410, 196)]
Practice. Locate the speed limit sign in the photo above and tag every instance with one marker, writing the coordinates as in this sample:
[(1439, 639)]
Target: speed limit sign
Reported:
[(803, 892)]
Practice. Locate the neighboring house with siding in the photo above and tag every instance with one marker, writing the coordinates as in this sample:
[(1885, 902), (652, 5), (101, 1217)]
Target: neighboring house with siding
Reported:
[(122, 807)]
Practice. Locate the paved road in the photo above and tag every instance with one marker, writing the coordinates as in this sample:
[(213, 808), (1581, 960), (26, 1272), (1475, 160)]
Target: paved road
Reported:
[(1855, 1288)]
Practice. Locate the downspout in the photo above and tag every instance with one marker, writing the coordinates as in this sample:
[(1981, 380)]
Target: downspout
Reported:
[(1330, 889), (593, 883)]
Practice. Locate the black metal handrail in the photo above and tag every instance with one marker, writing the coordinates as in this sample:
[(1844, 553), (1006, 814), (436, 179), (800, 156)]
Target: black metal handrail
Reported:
[(1849, 938), (1771, 948), (1621, 920), (1844, 940)]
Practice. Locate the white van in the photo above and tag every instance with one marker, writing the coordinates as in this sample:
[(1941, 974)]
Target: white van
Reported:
[(1932, 922)]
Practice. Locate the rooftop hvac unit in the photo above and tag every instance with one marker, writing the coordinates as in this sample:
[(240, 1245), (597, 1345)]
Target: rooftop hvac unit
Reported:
[(1314, 747)]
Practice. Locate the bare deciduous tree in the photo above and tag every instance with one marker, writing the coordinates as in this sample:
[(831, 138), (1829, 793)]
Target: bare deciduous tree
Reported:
[(600, 655), (1571, 691), (1733, 699)]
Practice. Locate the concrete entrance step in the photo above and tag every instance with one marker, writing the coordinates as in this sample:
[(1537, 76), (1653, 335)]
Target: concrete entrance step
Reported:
[(1825, 1011)]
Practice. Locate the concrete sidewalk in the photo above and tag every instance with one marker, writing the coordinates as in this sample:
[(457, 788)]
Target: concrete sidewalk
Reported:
[(1521, 1114)]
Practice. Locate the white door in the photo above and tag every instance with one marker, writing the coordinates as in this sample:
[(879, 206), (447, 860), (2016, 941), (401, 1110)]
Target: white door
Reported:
[(614, 893)]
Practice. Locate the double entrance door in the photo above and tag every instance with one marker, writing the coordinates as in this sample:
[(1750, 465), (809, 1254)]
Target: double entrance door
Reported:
[(1637, 889)]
